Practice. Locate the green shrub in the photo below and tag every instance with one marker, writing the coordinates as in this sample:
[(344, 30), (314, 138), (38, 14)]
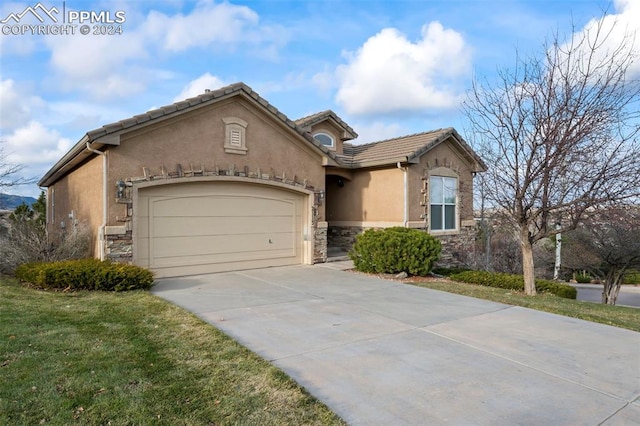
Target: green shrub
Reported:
[(85, 274), (393, 250), (559, 289), (514, 282), (583, 277)]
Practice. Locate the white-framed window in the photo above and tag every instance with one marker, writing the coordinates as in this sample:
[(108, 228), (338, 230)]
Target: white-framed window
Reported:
[(325, 139), (443, 203)]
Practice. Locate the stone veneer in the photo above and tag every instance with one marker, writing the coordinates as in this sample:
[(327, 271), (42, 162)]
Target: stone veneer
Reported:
[(320, 242), (119, 245), (456, 248)]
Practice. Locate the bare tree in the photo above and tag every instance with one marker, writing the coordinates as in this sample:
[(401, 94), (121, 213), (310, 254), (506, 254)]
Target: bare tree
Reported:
[(8, 171), (560, 135), (607, 245)]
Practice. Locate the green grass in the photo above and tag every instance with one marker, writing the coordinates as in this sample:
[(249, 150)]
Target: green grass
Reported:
[(618, 316), (131, 358)]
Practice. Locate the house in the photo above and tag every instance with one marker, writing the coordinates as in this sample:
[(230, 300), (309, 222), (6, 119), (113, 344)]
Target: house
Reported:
[(224, 181)]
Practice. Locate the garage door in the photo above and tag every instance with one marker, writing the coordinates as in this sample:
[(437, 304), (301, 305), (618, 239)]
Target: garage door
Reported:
[(195, 228)]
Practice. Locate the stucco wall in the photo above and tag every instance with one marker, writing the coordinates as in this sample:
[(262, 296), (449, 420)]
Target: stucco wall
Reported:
[(196, 139), (371, 196), (78, 193)]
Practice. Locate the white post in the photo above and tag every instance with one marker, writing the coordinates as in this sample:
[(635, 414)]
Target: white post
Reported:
[(556, 269)]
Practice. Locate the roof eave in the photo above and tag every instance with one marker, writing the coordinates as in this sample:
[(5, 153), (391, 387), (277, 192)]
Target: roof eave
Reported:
[(76, 156), (377, 163)]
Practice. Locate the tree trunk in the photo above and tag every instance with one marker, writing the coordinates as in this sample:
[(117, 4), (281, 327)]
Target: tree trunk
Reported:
[(527, 262), (612, 284)]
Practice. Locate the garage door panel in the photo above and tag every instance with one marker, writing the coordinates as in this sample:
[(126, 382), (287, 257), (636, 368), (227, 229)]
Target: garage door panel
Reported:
[(216, 206), (240, 259), (218, 244), (197, 226)]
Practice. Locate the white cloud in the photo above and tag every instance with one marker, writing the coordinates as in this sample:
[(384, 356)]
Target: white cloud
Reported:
[(621, 29), (118, 66), (198, 86), (208, 23), (390, 74), (94, 64), (376, 131), (35, 144), (16, 107)]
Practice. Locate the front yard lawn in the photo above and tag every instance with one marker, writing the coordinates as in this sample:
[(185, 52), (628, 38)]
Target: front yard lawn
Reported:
[(618, 316), (132, 358)]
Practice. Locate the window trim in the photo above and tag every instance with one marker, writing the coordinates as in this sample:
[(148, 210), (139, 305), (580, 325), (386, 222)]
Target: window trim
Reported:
[(333, 140), (456, 204)]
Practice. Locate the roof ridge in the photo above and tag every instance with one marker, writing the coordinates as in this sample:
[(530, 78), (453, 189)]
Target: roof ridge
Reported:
[(315, 114), (403, 137)]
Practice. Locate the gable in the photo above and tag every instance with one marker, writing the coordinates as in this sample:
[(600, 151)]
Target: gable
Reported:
[(201, 139), (109, 135)]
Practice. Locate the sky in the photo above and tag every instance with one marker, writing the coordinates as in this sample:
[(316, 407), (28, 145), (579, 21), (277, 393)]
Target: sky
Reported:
[(387, 68)]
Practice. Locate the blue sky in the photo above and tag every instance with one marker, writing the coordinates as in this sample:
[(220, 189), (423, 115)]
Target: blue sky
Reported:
[(388, 68)]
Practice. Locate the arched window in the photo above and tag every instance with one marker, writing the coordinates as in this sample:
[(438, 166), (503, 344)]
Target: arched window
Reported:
[(324, 139)]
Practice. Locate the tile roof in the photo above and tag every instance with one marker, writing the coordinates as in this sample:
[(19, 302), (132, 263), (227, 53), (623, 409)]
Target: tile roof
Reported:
[(312, 119), (404, 149)]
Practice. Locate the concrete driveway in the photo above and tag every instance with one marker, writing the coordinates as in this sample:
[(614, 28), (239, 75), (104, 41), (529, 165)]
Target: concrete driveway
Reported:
[(383, 353)]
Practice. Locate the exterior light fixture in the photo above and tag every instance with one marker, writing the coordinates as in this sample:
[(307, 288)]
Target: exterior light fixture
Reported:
[(120, 186)]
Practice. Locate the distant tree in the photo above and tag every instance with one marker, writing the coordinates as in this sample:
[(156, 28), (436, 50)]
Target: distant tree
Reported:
[(560, 135), (35, 214), (607, 245)]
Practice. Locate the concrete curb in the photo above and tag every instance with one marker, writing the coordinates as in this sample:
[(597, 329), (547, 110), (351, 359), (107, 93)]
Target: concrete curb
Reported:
[(626, 288)]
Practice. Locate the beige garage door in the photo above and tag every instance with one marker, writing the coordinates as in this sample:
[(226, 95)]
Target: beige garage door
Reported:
[(195, 228)]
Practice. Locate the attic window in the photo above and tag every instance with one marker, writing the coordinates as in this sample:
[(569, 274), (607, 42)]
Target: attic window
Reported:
[(235, 141), (324, 139)]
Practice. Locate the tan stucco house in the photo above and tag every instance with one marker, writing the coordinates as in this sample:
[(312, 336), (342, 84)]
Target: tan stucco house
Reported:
[(225, 181)]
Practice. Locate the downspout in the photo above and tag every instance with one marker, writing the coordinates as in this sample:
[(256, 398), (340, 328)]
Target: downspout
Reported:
[(405, 179), (103, 227)]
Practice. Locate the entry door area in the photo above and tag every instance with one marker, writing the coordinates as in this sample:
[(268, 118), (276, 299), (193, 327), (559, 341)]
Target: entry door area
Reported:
[(205, 227)]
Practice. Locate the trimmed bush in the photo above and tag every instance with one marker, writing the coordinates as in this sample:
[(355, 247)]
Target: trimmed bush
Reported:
[(394, 250), (85, 274), (514, 282), (583, 277)]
